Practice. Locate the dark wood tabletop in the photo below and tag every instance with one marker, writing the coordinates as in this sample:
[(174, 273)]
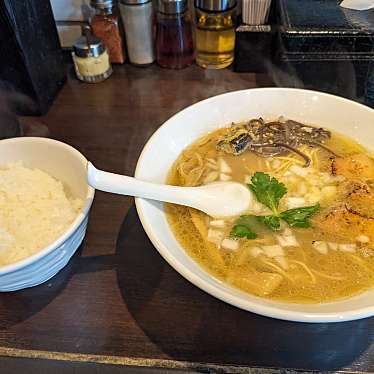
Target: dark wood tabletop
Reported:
[(118, 302)]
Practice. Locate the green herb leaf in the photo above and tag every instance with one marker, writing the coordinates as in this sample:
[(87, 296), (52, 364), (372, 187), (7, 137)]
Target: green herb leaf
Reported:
[(242, 227), (299, 217), (242, 231), (245, 220), (268, 190), (273, 222)]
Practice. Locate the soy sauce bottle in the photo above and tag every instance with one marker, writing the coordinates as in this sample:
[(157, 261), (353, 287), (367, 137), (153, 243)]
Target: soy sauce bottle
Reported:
[(174, 42)]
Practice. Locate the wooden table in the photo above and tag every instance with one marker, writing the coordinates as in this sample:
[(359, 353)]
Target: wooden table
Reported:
[(118, 302)]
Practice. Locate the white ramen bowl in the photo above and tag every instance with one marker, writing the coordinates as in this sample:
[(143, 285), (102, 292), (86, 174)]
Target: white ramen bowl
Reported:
[(332, 112), (66, 164)]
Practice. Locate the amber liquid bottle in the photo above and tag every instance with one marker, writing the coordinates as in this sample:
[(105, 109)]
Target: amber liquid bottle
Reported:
[(215, 33), (174, 42)]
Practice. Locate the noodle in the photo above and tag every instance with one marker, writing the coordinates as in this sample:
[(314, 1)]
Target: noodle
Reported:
[(333, 277), (360, 262), (259, 266), (278, 269), (313, 278), (192, 177)]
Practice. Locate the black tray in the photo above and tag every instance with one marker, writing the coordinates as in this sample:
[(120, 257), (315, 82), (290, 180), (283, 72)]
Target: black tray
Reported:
[(323, 46)]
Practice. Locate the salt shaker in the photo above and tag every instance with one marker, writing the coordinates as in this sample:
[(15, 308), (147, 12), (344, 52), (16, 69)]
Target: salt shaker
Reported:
[(137, 16), (174, 43), (91, 59)]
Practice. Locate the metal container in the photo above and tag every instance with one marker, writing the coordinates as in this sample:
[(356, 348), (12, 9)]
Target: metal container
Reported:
[(91, 59), (215, 5), (137, 17), (172, 6), (102, 4)]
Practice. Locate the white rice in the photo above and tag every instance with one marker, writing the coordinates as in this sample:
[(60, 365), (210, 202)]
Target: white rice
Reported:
[(34, 211)]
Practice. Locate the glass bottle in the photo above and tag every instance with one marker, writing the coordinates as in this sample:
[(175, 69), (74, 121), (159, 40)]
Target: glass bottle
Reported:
[(137, 16), (174, 42), (106, 25), (91, 59), (215, 33)]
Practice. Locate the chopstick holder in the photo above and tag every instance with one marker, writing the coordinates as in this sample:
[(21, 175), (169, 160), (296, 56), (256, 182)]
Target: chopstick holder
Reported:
[(255, 12)]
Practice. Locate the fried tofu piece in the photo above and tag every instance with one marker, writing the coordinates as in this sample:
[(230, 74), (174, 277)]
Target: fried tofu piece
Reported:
[(359, 198), (355, 166), (259, 283), (341, 222)]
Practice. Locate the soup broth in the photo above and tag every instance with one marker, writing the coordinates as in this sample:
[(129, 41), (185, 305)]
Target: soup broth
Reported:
[(331, 259)]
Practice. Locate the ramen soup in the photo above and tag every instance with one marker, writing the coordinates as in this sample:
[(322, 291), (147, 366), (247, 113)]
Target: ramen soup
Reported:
[(309, 234)]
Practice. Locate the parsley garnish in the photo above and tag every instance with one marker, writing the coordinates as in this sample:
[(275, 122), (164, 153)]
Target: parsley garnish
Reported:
[(272, 222), (242, 231), (269, 191), (299, 217), (242, 228)]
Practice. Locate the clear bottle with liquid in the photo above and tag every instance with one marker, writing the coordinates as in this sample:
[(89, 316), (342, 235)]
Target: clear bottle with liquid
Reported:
[(174, 42), (106, 25), (215, 33)]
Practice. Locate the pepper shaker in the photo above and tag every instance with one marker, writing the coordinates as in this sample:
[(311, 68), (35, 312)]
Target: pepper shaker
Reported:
[(137, 16)]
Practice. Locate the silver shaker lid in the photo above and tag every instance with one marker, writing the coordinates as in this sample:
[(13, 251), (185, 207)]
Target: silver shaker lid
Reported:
[(215, 5), (88, 45), (102, 4), (134, 2), (172, 6)]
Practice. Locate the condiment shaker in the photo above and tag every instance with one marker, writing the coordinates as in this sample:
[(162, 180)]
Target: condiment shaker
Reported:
[(137, 16), (174, 42), (91, 59), (106, 25), (215, 33)]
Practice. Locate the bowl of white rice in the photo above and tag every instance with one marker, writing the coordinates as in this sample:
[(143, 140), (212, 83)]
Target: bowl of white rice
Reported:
[(44, 206)]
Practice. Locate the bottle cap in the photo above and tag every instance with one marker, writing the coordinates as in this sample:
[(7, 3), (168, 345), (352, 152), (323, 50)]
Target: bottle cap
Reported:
[(172, 6), (101, 4), (215, 5), (134, 2), (88, 45)]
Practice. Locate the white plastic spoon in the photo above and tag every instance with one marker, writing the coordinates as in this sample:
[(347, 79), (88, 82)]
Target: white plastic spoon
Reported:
[(220, 199)]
